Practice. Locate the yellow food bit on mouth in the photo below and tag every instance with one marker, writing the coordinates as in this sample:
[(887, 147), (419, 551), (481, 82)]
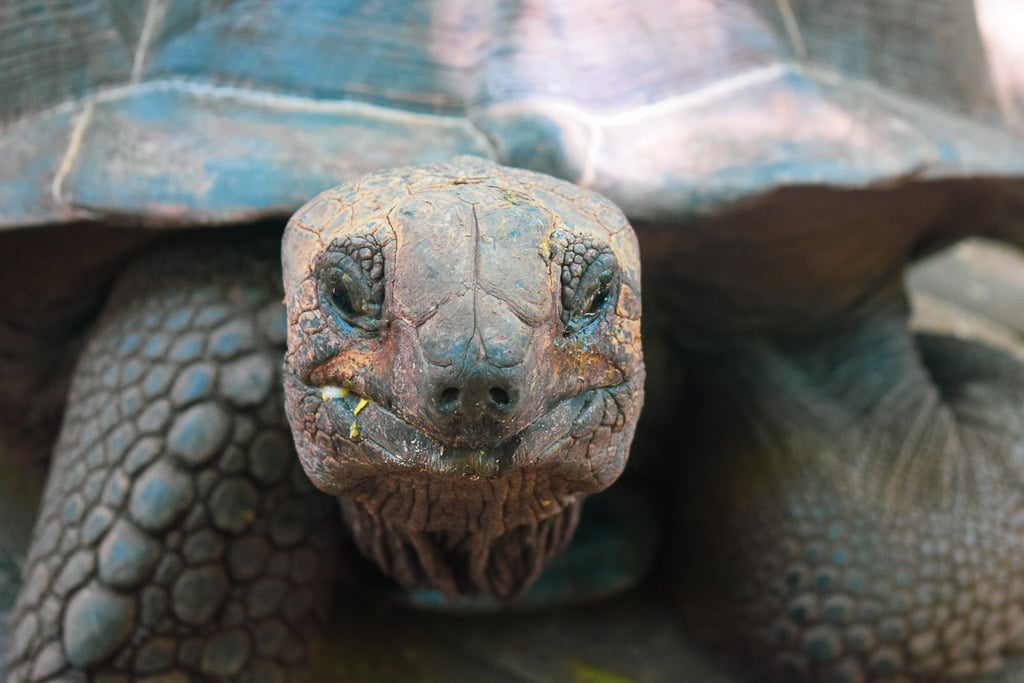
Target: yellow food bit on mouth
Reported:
[(328, 393), (353, 431), (363, 402), (545, 249)]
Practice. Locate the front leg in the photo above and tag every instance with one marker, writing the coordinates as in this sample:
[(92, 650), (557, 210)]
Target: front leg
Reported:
[(853, 509), (178, 535)]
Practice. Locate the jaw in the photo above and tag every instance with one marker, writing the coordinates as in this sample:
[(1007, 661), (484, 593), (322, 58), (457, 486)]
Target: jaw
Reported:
[(459, 520), (394, 524)]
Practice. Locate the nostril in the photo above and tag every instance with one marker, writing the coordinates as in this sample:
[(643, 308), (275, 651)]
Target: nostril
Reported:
[(449, 399), (500, 397)]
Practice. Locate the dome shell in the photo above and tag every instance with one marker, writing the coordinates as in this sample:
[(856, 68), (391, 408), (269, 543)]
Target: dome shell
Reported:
[(228, 110)]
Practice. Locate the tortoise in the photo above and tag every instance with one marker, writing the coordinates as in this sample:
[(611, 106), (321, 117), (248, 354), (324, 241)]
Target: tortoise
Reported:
[(461, 363)]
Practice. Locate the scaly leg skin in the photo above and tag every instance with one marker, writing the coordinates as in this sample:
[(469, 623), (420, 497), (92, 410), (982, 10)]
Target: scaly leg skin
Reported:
[(178, 538), (856, 506)]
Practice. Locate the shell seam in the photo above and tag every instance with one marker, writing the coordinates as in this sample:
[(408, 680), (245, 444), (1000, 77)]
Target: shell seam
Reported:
[(74, 147)]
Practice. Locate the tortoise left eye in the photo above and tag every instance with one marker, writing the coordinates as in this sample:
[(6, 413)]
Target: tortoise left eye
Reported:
[(592, 296)]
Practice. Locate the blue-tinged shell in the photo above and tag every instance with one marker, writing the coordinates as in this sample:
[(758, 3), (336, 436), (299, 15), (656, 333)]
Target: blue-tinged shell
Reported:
[(192, 112)]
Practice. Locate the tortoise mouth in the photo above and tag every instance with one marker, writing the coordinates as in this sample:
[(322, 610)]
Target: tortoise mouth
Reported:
[(343, 436)]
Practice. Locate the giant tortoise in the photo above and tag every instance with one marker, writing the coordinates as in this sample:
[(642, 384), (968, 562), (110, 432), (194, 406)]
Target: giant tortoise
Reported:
[(460, 340)]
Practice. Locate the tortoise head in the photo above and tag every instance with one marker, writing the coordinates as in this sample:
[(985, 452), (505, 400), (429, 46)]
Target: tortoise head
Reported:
[(463, 364)]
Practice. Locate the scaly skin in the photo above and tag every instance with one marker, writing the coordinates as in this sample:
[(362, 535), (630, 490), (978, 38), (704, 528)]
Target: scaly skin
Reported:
[(486, 393), (862, 519), (851, 496), (178, 535)]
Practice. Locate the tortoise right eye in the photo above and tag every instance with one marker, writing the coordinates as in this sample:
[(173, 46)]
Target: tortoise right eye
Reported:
[(351, 290)]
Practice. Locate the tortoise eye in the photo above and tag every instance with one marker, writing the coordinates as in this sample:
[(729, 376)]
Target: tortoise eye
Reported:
[(588, 288), (598, 295), (351, 277)]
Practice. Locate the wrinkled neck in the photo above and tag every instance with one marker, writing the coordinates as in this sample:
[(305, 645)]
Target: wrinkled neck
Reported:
[(462, 561)]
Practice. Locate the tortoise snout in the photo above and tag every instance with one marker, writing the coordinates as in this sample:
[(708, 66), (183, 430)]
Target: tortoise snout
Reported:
[(476, 407), (481, 394)]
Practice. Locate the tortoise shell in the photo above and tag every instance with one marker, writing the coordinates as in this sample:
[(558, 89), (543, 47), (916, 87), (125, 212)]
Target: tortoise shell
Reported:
[(213, 112)]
